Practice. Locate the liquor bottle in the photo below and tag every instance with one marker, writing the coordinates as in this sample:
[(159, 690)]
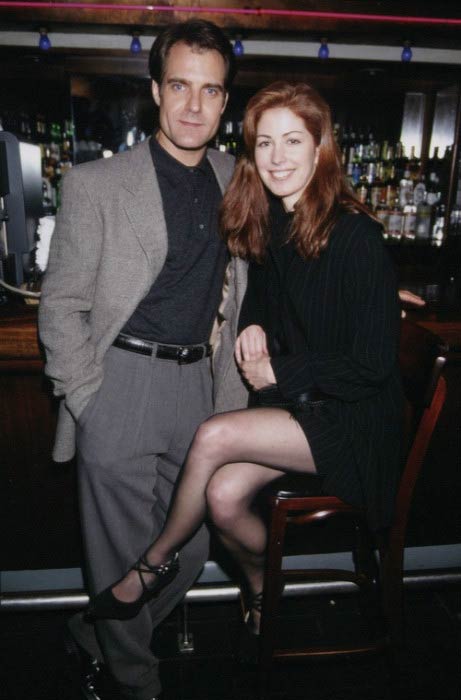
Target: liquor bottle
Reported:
[(356, 173), (391, 187), (433, 163), (444, 171), (231, 141), (438, 227), (423, 220), (370, 172), (378, 188), (399, 161), (362, 188), (405, 188), (433, 188), (373, 148), (388, 162), (345, 140), (454, 228), (419, 190), (395, 223), (337, 132), (349, 176), (409, 220), (382, 214), (414, 166), (350, 155)]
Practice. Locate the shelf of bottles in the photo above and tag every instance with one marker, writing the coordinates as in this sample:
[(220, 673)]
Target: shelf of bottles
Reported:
[(56, 142), (410, 202)]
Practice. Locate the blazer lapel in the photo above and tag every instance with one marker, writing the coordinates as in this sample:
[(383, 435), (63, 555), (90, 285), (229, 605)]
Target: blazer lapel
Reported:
[(143, 206)]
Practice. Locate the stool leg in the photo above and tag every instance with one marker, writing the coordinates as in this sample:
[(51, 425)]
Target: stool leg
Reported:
[(272, 592), (367, 571)]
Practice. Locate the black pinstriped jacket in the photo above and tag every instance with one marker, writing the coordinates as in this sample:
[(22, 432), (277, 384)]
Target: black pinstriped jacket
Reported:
[(335, 320)]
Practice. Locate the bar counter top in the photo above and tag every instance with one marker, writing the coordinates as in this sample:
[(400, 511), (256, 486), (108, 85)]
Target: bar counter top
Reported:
[(19, 337)]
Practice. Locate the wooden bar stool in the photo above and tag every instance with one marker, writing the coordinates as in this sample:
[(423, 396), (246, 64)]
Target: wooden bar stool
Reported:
[(379, 580)]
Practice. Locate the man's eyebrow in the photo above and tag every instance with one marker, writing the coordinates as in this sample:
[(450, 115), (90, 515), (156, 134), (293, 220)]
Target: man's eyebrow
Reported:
[(217, 86)]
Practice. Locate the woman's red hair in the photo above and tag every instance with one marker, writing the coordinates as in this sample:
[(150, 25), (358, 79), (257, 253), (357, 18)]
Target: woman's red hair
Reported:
[(245, 207)]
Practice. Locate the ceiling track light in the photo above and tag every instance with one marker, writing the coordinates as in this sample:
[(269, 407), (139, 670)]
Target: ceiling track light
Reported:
[(407, 53), (238, 49), (135, 46), (44, 43), (324, 51)]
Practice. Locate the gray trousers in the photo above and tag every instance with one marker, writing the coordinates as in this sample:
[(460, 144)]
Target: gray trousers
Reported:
[(132, 439)]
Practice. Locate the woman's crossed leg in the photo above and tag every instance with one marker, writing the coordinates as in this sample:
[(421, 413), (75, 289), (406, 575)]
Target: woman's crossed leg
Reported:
[(232, 457)]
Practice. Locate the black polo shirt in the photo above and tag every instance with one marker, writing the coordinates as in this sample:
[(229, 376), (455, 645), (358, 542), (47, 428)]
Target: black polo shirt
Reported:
[(183, 301)]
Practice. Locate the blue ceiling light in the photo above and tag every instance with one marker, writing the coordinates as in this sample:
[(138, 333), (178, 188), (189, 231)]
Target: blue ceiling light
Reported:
[(44, 43), (135, 46), (407, 53), (324, 51), (238, 48)]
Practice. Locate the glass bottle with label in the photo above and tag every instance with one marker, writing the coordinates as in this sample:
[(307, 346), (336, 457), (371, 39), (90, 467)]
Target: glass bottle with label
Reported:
[(409, 220), (419, 191), (395, 223), (382, 214), (378, 189), (438, 227), (361, 189), (392, 186), (405, 188), (423, 220)]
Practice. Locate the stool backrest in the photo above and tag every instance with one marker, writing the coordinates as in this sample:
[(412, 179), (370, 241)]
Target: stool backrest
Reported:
[(422, 359)]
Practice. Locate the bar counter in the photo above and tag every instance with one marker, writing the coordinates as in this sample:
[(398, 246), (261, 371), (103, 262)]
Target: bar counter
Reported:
[(40, 502)]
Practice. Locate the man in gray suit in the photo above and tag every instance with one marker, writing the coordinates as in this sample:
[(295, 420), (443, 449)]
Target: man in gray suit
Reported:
[(131, 293)]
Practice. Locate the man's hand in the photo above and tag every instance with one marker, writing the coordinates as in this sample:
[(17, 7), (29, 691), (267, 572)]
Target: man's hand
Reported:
[(258, 373), (251, 344)]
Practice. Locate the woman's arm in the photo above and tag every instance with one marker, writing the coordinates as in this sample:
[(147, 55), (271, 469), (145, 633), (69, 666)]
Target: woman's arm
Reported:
[(252, 310)]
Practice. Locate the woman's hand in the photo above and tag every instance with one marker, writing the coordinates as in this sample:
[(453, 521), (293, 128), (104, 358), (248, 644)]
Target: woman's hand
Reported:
[(251, 344), (253, 357), (258, 373), (407, 297), (410, 299)]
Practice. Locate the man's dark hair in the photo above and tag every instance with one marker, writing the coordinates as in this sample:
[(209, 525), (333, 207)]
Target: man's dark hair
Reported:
[(196, 33)]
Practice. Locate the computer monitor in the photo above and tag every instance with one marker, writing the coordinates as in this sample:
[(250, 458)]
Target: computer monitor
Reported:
[(21, 205)]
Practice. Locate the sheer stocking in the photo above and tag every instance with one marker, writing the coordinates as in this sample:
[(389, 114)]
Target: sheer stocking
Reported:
[(267, 442)]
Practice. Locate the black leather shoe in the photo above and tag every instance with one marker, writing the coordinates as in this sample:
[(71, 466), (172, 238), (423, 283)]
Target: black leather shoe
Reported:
[(86, 670)]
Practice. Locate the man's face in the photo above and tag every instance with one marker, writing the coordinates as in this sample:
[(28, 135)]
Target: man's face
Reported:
[(191, 99)]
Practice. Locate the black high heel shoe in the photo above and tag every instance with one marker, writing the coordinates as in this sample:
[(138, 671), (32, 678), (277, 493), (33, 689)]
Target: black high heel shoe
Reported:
[(106, 605), (248, 643), (255, 602)]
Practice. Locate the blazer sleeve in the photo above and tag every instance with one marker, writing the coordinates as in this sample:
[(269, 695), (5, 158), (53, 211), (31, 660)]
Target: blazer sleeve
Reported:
[(252, 311), (68, 287), (373, 317)]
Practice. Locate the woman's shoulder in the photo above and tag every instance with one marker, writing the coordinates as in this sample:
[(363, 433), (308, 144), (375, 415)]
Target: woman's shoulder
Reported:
[(358, 227)]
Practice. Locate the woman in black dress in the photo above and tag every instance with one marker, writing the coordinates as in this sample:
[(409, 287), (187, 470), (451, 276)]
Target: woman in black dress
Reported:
[(317, 347)]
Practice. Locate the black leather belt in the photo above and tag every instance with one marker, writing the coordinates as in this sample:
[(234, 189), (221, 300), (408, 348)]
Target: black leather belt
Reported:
[(182, 354)]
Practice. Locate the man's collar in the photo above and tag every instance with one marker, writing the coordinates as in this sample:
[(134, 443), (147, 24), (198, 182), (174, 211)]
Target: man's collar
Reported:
[(171, 167)]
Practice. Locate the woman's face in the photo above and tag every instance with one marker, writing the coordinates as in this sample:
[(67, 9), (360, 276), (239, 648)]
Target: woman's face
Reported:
[(285, 154)]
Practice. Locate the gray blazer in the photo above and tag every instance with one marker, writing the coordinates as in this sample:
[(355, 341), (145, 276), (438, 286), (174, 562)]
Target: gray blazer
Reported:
[(109, 246)]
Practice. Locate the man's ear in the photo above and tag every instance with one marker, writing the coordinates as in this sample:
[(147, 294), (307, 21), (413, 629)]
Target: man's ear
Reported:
[(226, 97), (156, 92)]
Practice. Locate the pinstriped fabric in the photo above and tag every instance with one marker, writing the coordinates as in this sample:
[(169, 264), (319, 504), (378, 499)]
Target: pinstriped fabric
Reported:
[(335, 322)]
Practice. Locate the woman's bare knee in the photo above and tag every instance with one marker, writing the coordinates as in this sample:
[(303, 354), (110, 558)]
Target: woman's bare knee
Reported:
[(214, 437), (225, 502)]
